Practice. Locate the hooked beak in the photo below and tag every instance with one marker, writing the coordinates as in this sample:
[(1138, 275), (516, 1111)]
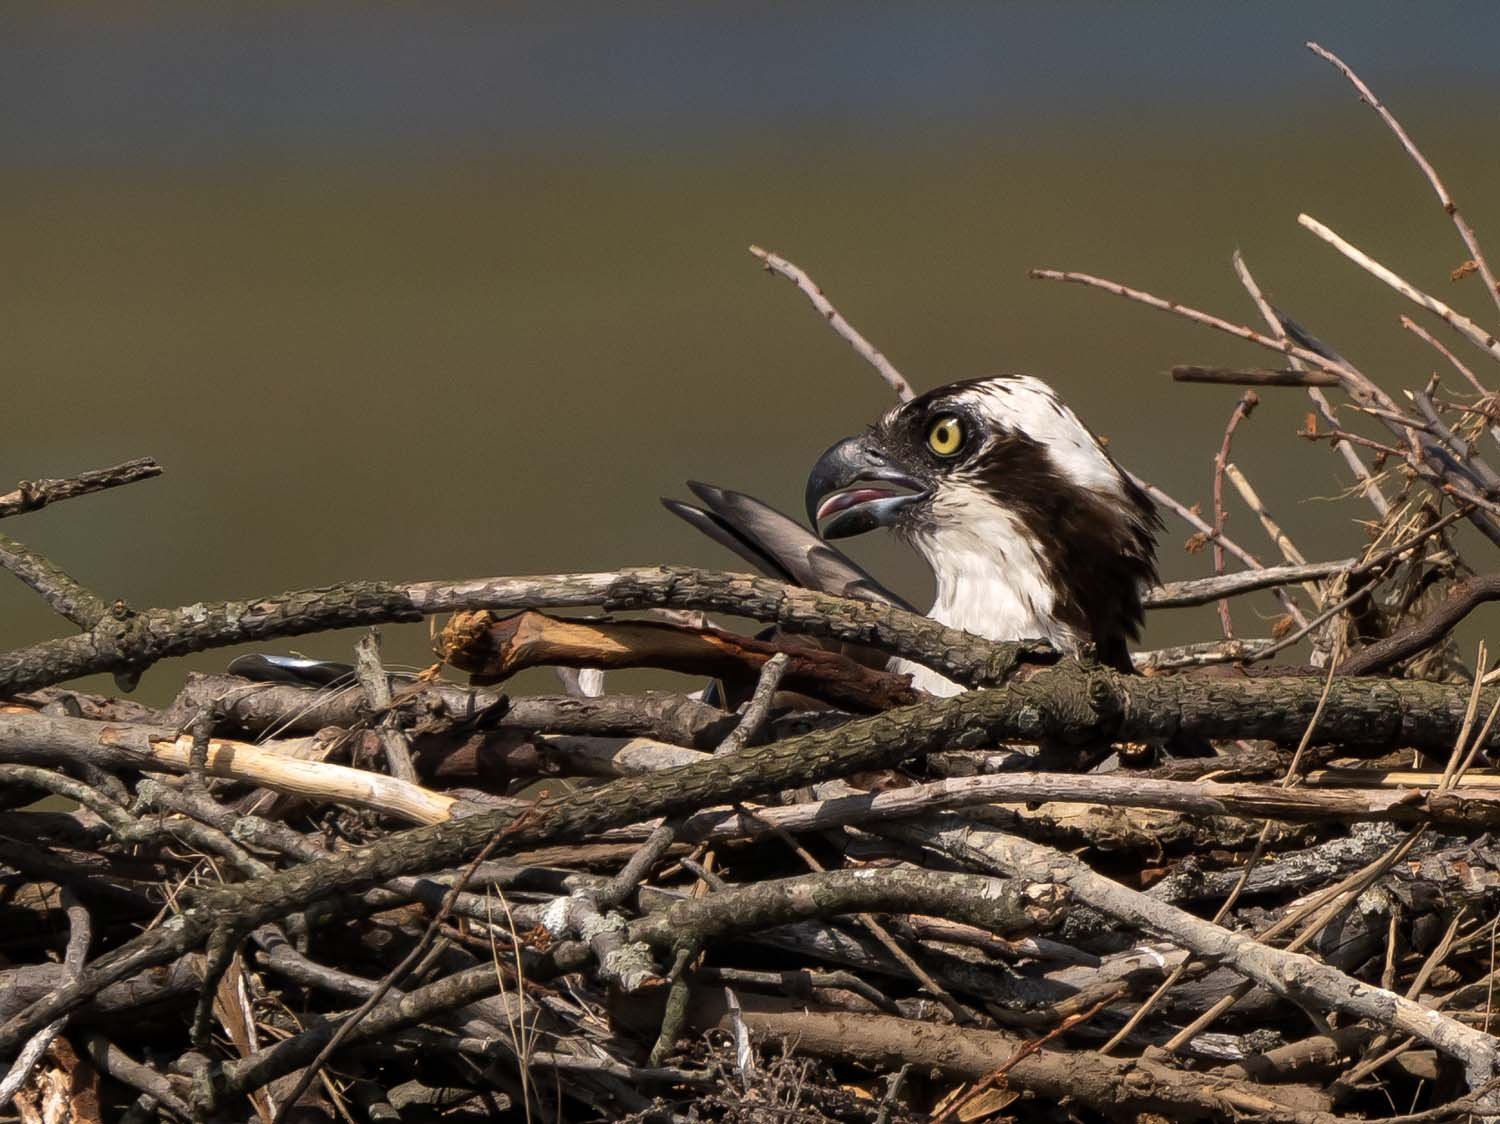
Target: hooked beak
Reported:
[(855, 484)]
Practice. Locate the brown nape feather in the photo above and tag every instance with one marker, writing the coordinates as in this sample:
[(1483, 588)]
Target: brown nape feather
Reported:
[(1100, 552)]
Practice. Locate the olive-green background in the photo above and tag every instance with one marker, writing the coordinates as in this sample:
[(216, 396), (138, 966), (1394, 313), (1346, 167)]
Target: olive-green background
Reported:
[(442, 292)]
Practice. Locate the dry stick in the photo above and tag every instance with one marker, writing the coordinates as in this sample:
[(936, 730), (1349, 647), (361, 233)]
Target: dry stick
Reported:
[(1322, 618), (1465, 231), (1455, 320), (1242, 409), (1193, 519), (377, 688), (759, 706), (28, 735), (1367, 482), (1368, 566), (1207, 654), (1273, 529), (1200, 591), (1325, 907), (1254, 376), (1486, 477), (1357, 384), (1113, 1088), (1460, 775), (33, 494), (867, 351), (1442, 349), (1408, 798)]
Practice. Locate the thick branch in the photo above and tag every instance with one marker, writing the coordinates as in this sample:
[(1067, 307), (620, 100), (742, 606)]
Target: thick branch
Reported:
[(256, 707), (997, 905), (141, 639)]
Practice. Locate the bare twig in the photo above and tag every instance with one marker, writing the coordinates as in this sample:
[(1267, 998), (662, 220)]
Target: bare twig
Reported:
[(1242, 409), (1465, 231), (867, 351), (1460, 323), (1274, 322)]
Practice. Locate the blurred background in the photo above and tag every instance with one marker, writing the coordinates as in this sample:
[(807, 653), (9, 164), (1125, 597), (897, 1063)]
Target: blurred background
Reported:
[(460, 290)]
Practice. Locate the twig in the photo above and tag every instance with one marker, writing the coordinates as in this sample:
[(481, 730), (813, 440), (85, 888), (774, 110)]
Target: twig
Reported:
[(153, 634), (1200, 591), (377, 688), (1242, 409), (1273, 529), (1465, 231), (1442, 349), (27, 735), (1275, 323), (1193, 519), (1204, 654), (1455, 320), (30, 495), (775, 263), (1254, 376), (759, 706), (1357, 385)]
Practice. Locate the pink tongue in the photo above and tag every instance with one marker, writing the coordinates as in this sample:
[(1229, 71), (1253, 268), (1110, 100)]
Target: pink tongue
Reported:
[(842, 501)]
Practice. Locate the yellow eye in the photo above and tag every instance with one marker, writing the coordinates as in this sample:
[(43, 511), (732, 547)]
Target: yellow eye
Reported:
[(946, 435)]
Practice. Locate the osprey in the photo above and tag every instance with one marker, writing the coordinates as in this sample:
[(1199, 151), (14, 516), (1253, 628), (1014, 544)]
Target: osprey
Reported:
[(1031, 529)]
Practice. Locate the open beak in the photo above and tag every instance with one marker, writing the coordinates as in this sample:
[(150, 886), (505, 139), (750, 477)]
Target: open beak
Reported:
[(856, 488)]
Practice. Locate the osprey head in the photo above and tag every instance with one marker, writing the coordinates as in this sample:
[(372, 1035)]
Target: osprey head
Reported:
[(1031, 528)]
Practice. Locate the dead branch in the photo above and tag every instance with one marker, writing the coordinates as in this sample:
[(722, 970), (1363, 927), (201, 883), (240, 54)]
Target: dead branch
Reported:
[(32, 495), (493, 649)]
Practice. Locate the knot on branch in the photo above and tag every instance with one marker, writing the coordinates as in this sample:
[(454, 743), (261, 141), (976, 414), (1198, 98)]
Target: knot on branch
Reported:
[(630, 965), (124, 638)]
